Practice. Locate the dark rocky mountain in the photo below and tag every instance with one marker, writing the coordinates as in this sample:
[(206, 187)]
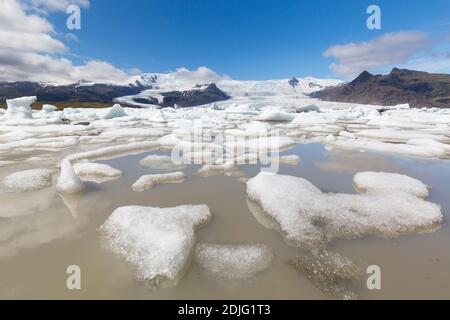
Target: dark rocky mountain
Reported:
[(419, 89), (76, 92), (79, 93), (199, 95)]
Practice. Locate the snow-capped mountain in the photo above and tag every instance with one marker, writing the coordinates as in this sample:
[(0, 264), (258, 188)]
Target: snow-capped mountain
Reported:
[(183, 87)]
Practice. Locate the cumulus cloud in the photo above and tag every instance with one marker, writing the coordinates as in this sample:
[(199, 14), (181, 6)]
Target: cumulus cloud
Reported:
[(30, 51), (202, 75), (54, 5), (388, 49)]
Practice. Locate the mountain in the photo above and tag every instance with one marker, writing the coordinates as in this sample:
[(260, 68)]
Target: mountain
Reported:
[(77, 92), (183, 88), (199, 95), (417, 88)]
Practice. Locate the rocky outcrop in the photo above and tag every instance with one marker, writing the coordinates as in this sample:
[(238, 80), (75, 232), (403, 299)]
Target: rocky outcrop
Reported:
[(199, 95), (418, 89)]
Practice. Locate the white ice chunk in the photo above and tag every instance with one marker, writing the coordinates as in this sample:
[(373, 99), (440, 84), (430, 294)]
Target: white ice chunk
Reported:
[(427, 151), (27, 180), (19, 108), (369, 182), (116, 111), (236, 262), (68, 181), (149, 181), (114, 151), (272, 115), (48, 108), (157, 242), (309, 218), (161, 163), (88, 171), (392, 135), (228, 168)]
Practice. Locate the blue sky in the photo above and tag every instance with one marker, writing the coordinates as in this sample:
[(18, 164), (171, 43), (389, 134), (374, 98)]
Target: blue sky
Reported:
[(249, 39), (246, 39)]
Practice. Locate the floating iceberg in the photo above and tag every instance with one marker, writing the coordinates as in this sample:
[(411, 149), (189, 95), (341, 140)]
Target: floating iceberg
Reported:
[(379, 182), (271, 115), (309, 218), (236, 262), (20, 108), (228, 168), (156, 241), (164, 163), (68, 181), (48, 108), (28, 180), (95, 172), (149, 181), (116, 111), (114, 151)]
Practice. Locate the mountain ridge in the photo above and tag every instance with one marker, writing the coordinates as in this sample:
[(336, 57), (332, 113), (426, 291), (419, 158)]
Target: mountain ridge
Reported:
[(417, 88)]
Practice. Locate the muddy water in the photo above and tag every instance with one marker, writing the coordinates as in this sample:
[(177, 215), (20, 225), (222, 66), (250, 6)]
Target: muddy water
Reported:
[(52, 233)]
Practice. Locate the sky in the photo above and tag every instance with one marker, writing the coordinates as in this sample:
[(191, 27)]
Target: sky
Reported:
[(243, 39)]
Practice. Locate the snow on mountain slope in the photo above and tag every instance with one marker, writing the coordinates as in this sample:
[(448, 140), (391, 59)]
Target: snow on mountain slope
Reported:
[(184, 80), (283, 87)]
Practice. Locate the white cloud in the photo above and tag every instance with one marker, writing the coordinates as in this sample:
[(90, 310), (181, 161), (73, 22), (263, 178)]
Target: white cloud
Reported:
[(434, 62), (202, 75), (29, 50), (388, 49), (54, 5)]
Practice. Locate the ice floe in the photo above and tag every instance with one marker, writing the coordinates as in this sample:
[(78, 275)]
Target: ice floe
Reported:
[(236, 262), (149, 181), (157, 242), (20, 108), (379, 182), (68, 181), (95, 172), (307, 217), (28, 180), (49, 108), (116, 111), (228, 168), (158, 162)]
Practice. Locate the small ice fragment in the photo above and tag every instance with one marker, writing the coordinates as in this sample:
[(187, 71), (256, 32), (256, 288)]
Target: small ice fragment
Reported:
[(19, 108), (68, 181), (28, 180), (228, 168), (88, 171), (240, 262), (160, 163), (48, 108), (149, 181), (116, 111), (271, 115), (381, 182), (157, 242)]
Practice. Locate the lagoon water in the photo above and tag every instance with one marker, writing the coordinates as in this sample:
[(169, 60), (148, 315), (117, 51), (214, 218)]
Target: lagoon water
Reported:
[(42, 233)]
